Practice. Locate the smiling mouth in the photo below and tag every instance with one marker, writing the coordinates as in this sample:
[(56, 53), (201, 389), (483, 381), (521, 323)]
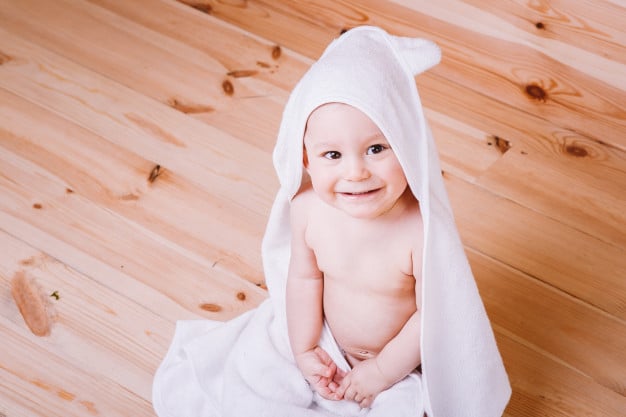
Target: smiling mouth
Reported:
[(360, 193)]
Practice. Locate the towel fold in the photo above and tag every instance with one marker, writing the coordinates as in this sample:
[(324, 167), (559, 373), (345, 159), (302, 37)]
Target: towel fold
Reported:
[(244, 367)]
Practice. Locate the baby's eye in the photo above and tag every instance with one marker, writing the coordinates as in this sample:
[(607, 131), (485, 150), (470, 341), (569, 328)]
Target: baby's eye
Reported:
[(374, 149), (332, 155)]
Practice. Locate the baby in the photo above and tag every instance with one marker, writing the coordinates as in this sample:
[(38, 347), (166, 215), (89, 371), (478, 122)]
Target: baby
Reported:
[(355, 259), (365, 246)]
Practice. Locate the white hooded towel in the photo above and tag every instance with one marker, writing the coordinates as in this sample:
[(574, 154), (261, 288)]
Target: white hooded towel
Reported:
[(245, 367)]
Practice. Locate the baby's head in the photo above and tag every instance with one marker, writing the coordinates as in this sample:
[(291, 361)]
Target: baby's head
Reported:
[(350, 162)]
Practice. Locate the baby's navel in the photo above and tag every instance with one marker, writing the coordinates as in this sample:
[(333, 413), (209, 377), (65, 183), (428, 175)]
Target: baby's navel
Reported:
[(362, 354)]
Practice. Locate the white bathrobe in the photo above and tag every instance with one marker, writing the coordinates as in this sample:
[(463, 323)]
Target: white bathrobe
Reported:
[(245, 368)]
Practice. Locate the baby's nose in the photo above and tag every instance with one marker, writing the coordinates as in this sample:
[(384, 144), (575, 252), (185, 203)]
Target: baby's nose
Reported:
[(356, 170)]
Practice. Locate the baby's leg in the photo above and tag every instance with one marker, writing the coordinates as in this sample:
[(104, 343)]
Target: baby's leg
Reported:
[(404, 399)]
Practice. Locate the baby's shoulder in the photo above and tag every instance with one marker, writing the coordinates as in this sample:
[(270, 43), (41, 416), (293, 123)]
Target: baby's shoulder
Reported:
[(303, 202), (304, 198), (409, 227)]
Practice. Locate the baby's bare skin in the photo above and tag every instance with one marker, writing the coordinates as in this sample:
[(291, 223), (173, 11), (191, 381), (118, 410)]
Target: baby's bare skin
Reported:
[(369, 287), (356, 249)]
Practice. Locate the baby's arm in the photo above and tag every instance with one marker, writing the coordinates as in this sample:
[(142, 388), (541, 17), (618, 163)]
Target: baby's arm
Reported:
[(305, 317), (400, 356), (397, 359)]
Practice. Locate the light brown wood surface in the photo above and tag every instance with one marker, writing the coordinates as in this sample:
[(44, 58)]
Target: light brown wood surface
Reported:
[(136, 181)]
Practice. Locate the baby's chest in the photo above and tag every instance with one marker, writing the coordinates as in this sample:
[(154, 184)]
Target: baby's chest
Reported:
[(365, 260)]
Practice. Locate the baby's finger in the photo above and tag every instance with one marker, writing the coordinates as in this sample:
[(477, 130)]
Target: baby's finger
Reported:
[(325, 392), (341, 389), (338, 377), (322, 370), (323, 355), (341, 373), (350, 394), (333, 387), (365, 402)]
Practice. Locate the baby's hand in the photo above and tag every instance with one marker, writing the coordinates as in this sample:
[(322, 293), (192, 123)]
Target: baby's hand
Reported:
[(363, 383), (321, 372)]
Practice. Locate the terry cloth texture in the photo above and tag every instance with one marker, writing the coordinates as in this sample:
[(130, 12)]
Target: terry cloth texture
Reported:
[(244, 367)]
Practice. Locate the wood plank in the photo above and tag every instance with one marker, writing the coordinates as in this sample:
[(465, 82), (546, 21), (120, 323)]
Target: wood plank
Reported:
[(137, 123), (96, 328), (235, 48), (135, 11), (106, 43), (118, 180), (553, 323), (468, 158), (575, 262), (42, 384), (74, 371), (464, 150), (260, 123), (596, 27), (521, 131), (583, 35), (95, 94), (589, 203), (112, 275), (469, 152), (203, 162), (33, 196), (527, 82), (543, 386)]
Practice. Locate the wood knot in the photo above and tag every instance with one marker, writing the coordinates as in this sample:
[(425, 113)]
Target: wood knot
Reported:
[(228, 88), (276, 52), (37, 206), (31, 303), (262, 285), (213, 308), (344, 30), (242, 73), (241, 296), (154, 174), (189, 108), (503, 145), (536, 92), (200, 6), (540, 25), (577, 151), (4, 58)]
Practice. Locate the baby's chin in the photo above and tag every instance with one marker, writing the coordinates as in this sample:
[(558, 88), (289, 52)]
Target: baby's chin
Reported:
[(363, 213)]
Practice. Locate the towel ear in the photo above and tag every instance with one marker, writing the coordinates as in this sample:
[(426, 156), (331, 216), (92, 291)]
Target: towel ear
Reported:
[(419, 54)]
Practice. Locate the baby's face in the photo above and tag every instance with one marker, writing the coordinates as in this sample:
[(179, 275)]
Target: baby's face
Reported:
[(351, 165)]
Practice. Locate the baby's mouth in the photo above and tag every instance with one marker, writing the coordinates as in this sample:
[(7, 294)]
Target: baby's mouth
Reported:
[(359, 193)]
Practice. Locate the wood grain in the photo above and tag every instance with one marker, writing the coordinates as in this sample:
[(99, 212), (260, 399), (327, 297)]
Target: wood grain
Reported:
[(136, 179)]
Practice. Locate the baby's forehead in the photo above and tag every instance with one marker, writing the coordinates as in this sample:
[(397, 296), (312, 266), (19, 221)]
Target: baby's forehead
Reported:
[(339, 120)]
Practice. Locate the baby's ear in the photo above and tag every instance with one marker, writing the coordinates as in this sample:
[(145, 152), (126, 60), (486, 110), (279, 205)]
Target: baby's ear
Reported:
[(419, 54), (305, 158)]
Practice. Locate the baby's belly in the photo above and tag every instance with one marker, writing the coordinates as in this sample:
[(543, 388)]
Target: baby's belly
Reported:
[(363, 323)]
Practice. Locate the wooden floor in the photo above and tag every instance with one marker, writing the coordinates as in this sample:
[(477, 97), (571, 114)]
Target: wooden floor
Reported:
[(136, 181)]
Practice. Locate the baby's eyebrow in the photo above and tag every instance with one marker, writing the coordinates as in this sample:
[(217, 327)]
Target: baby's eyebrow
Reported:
[(324, 145), (374, 136), (377, 135)]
